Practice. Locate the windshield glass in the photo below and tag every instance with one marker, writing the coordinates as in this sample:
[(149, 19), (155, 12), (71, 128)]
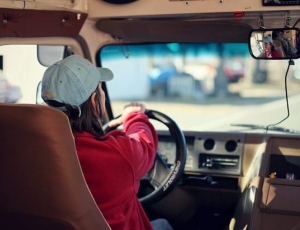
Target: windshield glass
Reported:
[(204, 87)]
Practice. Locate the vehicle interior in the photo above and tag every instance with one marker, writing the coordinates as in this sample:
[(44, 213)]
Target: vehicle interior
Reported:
[(226, 114)]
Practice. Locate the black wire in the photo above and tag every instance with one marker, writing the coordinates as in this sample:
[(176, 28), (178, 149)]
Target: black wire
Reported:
[(286, 97), (296, 23), (291, 62)]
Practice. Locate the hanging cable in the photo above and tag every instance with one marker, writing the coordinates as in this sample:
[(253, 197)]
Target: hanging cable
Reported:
[(291, 62), (287, 20), (125, 52), (261, 21)]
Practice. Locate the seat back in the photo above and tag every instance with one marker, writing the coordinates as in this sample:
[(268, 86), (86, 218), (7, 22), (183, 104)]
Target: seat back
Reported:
[(42, 185), (278, 46)]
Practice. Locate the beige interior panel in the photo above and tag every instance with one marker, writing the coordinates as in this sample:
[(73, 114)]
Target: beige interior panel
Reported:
[(285, 146), (281, 196), (277, 222)]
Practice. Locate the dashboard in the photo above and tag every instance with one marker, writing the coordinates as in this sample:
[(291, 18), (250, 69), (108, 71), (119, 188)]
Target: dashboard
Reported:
[(230, 161), (208, 153)]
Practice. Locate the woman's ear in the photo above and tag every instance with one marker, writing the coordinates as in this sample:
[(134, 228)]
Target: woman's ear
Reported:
[(93, 101)]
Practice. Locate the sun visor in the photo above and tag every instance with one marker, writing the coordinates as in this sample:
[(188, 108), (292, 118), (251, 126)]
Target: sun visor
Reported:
[(181, 30), (31, 23)]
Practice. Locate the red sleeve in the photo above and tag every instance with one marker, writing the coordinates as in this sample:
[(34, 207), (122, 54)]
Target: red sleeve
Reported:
[(143, 142), (276, 54)]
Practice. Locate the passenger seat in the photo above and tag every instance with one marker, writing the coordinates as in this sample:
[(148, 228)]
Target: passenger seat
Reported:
[(279, 47)]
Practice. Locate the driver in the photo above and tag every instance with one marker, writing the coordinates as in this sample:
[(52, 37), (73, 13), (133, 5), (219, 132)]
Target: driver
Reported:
[(269, 48), (112, 163)]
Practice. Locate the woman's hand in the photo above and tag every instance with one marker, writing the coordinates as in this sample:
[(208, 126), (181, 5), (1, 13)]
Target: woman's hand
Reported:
[(129, 108)]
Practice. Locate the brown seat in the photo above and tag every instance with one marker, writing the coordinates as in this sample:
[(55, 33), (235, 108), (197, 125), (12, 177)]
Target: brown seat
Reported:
[(41, 183), (278, 46)]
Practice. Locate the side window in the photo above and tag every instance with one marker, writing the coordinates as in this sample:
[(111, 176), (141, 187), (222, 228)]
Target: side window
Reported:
[(22, 68), (20, 73), (39, 100), (8, 93)]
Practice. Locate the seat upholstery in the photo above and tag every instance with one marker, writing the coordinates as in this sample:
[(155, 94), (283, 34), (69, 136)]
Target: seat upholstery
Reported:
[(279, 47), (42, 185)]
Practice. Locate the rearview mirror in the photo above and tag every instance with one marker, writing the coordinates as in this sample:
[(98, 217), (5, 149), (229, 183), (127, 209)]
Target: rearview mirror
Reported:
[(279, 43)]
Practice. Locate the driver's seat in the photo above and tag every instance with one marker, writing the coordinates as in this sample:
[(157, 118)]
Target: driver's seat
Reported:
[(41, 182)]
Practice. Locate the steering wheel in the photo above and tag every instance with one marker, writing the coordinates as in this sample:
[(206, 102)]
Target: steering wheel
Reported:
[(162, 178)]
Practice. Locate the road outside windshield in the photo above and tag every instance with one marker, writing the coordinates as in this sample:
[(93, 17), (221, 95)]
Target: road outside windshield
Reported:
[(204, 87)]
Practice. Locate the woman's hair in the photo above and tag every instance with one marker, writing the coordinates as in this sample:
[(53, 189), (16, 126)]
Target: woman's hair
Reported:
[(89, 118), (272, 47)]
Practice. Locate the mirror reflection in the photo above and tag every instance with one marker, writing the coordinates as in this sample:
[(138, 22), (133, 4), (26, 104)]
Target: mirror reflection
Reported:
[(279, 43)]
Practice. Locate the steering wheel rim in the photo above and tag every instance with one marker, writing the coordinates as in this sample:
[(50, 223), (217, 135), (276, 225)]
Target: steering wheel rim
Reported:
[(163, 178)]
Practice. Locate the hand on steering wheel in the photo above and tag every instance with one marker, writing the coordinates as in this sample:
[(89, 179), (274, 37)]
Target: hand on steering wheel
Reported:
[(162, 178), (132, 107)]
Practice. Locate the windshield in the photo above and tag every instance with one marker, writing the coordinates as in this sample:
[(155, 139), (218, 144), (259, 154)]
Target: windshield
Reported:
[(204, 86)]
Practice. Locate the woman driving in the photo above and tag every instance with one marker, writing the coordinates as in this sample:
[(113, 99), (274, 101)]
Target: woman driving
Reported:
[(112, 163), (269, 48)]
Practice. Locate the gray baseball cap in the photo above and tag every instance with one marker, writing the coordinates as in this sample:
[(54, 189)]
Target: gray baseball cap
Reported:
[(267, 39), (72, 81)]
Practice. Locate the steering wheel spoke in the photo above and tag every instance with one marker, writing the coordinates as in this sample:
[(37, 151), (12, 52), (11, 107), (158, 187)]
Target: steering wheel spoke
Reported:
[(159, 172)]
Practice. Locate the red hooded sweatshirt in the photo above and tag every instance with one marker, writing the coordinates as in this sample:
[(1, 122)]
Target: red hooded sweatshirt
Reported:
[(113, 167)]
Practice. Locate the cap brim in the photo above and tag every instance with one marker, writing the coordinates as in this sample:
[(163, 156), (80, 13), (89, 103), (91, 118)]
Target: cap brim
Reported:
[(105, 74), (264, 41)]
